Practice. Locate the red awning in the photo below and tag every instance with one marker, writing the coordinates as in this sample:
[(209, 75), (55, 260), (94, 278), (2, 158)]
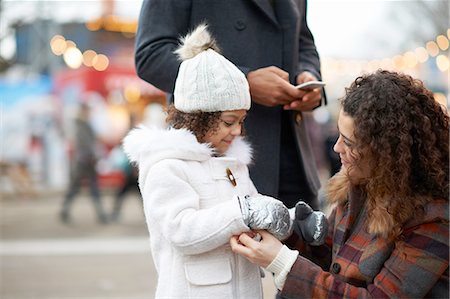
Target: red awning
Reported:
[(103, 82)]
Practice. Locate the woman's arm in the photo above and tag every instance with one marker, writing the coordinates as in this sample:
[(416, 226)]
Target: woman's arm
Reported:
[(416, 265)]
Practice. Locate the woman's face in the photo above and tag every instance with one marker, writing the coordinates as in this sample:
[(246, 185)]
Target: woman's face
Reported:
[(230, 126), (345, 147)]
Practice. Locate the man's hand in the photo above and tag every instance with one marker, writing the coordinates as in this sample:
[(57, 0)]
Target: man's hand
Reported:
[(309, 99), (270, 87)]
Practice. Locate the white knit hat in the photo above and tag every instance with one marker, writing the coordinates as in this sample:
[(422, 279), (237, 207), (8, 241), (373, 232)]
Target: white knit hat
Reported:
[(206, 80)]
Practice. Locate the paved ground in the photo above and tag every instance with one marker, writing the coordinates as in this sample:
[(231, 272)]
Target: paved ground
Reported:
[(40, 258)]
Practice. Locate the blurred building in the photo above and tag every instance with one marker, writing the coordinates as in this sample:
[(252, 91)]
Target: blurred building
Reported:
[(56, 67)]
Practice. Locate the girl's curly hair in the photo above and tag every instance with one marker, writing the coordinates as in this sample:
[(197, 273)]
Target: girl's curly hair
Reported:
[(404, 133), (199, 123)]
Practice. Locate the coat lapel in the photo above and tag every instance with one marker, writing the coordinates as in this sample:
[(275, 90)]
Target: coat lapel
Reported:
[(352, 209), (285, 12), (267, 8)]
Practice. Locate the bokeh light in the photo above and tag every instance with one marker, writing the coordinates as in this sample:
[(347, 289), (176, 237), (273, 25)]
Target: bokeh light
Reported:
[(410, 59), (88, 57), (58, 45), (100, 62), (432, 48), (442, 63), (132, 93), (73, 57), (70, 44), (442, 42), (422, 54)]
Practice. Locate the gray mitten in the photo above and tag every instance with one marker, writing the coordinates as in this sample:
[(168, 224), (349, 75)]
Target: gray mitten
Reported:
[(264, 212), (309, 224)]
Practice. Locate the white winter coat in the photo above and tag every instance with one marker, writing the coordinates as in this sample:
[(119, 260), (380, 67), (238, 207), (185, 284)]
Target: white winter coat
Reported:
[(191, 213)]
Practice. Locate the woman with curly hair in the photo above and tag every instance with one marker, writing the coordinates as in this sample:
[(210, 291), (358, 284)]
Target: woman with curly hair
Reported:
[(389, 229)]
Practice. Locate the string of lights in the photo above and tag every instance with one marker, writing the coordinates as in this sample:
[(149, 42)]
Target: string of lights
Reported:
[(409, 60), (74, 58)]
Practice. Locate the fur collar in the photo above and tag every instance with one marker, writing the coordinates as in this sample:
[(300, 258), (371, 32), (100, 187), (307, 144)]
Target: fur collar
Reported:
[(151, 145)]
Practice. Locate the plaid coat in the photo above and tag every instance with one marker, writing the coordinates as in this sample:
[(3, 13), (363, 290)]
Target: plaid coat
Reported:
[(361, 265)]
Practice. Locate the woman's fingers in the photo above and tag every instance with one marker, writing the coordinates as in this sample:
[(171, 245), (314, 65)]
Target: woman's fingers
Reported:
[(261, 253), (239, 248)]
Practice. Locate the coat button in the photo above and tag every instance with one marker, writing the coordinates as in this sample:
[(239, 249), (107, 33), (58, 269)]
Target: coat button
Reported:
[(240, 25), (335, 268), (298, 118)]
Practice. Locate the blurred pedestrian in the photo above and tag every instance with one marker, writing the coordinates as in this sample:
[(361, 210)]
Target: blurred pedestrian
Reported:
[(129, 184), (270, 42), (389, 229), (130, 175), (83, 166), (195, 183)]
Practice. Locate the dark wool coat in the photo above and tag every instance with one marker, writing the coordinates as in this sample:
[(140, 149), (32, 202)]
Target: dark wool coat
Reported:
[(361, 265), (252, 34)]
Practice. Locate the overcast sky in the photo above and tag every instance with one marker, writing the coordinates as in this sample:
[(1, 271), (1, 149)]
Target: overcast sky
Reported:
[(350, 29)]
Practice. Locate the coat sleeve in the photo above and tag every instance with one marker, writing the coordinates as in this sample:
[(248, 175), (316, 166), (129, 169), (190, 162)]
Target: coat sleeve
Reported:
[(171, 206), (308, 56), (161, 24), (417, 267)]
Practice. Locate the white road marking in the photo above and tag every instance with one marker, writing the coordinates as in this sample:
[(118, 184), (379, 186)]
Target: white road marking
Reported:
[(85, 246)]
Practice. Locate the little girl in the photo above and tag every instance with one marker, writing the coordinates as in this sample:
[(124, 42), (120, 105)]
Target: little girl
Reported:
[(195, 182)]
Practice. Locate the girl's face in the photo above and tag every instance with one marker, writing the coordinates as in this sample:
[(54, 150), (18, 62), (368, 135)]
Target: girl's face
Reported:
[(345, 147), (230, 126)]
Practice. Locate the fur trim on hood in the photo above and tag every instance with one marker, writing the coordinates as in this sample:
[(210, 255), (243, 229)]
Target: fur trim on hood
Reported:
[(151, 145)]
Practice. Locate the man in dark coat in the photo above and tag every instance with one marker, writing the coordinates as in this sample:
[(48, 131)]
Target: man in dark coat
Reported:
[(269, 40)]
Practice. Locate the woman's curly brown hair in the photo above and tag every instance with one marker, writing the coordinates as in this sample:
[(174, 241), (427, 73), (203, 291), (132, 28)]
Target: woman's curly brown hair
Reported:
[(404, 133), (199, 123)]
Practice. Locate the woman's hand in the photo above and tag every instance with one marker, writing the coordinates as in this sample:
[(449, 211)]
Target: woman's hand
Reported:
[(261, 253)]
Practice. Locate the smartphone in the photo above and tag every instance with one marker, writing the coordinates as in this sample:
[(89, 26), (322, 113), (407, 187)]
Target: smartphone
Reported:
[(310, 85)]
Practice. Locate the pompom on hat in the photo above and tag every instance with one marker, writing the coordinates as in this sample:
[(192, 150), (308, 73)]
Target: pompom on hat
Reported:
[(207, 81)]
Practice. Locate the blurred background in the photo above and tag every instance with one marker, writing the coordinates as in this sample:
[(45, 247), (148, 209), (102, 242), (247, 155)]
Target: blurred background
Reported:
[(57, 56)]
